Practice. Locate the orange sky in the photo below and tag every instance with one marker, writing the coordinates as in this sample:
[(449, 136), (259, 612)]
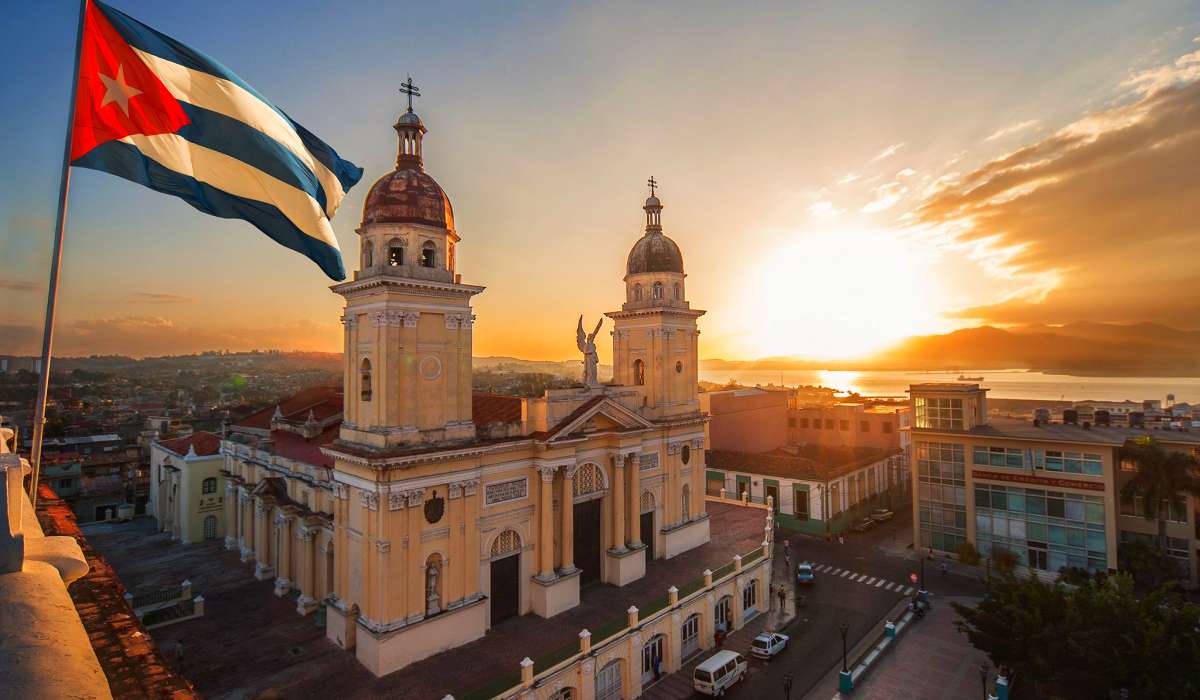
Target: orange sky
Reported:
[(831, 193)]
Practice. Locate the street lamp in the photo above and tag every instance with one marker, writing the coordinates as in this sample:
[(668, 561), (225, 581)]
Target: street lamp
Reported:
[(845, 629), (983, 678), (787, 686)]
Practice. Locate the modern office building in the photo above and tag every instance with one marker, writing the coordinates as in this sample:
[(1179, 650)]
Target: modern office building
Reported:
[(1047, 491)]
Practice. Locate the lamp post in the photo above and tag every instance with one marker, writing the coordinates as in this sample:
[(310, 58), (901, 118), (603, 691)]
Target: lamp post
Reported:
[(983, 678), (845, 629), (787, 686)]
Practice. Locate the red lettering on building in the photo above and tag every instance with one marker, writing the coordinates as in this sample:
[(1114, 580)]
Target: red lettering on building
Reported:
[(1039, 481)]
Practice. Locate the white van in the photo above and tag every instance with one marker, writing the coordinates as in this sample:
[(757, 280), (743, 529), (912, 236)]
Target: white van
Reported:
[(720, 671)]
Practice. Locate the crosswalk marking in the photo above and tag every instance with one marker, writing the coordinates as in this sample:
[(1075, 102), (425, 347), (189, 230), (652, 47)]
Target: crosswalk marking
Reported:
[(881, 582), (870, 581), (890, 586), (860, 579), (908, 591), (845, 573)]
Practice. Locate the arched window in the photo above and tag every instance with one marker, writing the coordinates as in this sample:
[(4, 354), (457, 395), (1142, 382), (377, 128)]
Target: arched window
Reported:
[(750, 595), (209, 485), (637, 292), (210, 527), (588, 480), (428, 254), (639, 372), (646, 502), (658, 290), (395, 253), (507, 542), (366, 379), (368, 253), (678, 296), (687, 497)]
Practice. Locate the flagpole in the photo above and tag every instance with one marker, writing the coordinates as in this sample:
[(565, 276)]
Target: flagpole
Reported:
[(60, 223)]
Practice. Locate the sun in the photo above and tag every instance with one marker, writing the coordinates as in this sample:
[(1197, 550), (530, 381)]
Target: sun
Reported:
[(840, 294)]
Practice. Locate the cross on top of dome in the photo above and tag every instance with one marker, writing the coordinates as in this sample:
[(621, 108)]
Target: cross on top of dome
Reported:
[(407, 88)]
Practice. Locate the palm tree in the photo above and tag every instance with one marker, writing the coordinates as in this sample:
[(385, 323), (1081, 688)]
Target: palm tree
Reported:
[(1161, 476)]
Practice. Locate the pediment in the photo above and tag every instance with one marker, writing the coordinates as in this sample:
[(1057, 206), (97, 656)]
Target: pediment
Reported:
[(599, 416)]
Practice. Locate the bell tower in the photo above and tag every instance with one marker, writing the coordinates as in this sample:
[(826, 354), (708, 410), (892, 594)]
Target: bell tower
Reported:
[(655, 339), (408, 319)]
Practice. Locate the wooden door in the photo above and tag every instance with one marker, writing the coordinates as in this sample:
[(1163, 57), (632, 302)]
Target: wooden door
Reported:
[(506, 588), (587, 540), (648, 534)]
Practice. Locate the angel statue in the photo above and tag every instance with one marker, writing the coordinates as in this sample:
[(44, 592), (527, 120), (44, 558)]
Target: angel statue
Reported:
[(587, 346)]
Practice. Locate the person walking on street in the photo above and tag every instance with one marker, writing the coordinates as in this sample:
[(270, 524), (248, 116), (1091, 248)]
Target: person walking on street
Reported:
[(841, 539), (782, 597)]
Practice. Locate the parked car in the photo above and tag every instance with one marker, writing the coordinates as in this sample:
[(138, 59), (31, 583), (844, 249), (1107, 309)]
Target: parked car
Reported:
[(805, 573), (863, 525), (768, 644), (882, 515), (718, 672)]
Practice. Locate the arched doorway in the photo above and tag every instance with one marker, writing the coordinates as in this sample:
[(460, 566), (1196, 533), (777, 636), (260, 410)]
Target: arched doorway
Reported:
[(653, 658), (690, 636), (563, 694), (505, 576), (608, 682), (723, 614), (588, 490), (649, 534)]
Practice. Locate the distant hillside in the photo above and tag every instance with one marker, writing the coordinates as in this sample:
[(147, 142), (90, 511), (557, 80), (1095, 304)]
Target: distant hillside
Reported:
[(1096, 349)]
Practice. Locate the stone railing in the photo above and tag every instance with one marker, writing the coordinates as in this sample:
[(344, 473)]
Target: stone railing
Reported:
[(620, 640), (145, 601), (44, 649)]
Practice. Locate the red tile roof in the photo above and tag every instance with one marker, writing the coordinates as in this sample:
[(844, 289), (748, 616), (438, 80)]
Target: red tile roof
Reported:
[(495, 408), (323, 401), (308, 451), (206, 444)]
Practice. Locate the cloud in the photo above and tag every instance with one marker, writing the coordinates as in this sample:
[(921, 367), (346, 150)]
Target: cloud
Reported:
[(1107, 210), (888, 152), (886, 196), (18, 285), (907, 172), (149, 335), (848, 178), (1009, 130), (160, 298), (825, 210)]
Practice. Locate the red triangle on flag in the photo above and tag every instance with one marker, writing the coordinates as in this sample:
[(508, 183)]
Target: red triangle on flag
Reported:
[(118, 93)]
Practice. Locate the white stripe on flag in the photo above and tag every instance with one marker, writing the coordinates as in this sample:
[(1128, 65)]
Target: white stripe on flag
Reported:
[(231, 175), (228, 98)]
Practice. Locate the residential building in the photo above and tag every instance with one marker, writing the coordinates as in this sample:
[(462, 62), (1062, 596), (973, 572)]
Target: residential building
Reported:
[(63, 472), (111, 473), (1047, 491), (849, 425), (746, 420), (185, 493)]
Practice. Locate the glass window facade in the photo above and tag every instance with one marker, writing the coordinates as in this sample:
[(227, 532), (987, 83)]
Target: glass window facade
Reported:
[(1012, 457), (941, 492), (1047, 530), (938, 413), (1069, 462)]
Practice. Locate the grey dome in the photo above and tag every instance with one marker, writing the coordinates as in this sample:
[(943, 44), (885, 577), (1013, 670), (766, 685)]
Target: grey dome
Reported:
[(654, 252)]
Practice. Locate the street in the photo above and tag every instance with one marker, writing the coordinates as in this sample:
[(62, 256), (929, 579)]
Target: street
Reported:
[(857, 583)]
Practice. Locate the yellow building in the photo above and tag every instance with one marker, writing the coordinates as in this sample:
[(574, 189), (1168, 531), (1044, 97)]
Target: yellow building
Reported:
[(185, 496), (1050, 492), (431, 514)]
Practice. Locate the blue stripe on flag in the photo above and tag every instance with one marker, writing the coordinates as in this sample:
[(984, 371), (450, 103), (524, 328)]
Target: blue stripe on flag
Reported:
[(249, 145), (149, 40), (126, 161)]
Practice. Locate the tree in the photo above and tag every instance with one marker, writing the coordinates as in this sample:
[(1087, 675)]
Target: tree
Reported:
[(1149, 566), (1161, 476), (1088, 642), (967, 553)]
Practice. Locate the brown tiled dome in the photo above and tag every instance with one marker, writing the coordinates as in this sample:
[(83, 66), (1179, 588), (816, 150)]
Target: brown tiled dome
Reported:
[(408, 195), (654, 252)]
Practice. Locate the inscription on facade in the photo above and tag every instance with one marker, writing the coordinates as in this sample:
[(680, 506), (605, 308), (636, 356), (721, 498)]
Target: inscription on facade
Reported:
[(646, 462), (504, 491), (1039, 481)]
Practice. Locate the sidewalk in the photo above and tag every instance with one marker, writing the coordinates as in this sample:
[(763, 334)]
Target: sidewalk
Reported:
[(678, 685)]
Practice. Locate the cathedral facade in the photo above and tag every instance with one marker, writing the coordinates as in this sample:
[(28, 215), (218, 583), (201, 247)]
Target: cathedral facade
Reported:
[(431, 513)]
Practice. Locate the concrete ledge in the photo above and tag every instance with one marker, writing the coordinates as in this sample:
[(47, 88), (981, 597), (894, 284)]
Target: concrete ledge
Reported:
[(392, 651), (44, 650), (63, 553), (549, 598)]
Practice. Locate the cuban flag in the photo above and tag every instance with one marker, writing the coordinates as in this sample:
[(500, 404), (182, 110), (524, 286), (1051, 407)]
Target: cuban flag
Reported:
[(155, 111)]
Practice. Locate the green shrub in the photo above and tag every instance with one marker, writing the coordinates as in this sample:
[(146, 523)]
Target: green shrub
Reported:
[(967, 553)]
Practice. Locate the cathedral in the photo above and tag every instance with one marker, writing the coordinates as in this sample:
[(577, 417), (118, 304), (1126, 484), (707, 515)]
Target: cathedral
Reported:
[(423, 513)]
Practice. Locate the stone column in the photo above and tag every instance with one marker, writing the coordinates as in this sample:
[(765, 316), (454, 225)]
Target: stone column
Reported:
[(634, 489), (245, 525), (618, 504), (262, 542), (566, 501), (231, 508), (307, 561), (546, 524), (283, 557)]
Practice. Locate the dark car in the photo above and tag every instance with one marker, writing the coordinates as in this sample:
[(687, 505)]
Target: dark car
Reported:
[(863, 525)]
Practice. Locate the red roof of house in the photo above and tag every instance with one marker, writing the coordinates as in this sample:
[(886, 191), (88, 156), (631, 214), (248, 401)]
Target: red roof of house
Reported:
[(495, 408), (308, 451), (204, 442)]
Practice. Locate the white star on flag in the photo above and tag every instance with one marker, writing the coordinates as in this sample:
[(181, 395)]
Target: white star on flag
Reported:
[(117, 90)]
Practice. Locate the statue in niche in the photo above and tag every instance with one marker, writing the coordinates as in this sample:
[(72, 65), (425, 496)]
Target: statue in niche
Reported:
[(433, 600), (587, 346)]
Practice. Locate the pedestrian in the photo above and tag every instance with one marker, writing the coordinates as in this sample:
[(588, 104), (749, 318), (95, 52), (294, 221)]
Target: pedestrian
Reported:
[(782, 597), (943, 569), (787, 559), (178, 649), (841, 539)]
